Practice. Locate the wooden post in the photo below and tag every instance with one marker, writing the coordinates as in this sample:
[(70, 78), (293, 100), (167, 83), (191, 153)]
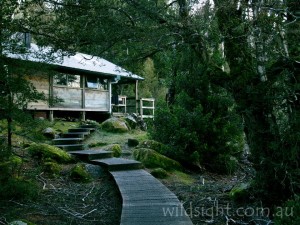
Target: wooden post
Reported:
[(51, 118), (141, 108), (83, 115), (109, 96), (83, 92), (136, 96)]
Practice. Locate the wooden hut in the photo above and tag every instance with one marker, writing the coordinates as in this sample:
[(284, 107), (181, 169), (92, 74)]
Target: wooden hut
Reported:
[(82, 82)]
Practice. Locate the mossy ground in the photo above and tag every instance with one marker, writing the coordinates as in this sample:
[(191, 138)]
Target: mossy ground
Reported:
[(43, 192), (48, 152)]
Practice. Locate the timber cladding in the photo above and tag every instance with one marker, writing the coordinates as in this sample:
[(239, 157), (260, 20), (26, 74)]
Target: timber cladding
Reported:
[(78, 98)]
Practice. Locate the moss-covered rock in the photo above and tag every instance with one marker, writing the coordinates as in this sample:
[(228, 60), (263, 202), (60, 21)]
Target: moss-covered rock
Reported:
[(116, 149), (159, 173), (152, 159), (80, 174), (90, 123), (240, 192), (151, 144), (46, 152), (52, 168), (115, 125)]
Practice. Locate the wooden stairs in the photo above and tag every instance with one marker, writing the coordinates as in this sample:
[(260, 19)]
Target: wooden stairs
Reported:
[(146, 201)]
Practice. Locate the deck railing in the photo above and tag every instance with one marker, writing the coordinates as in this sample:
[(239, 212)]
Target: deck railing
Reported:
[(145, 107)]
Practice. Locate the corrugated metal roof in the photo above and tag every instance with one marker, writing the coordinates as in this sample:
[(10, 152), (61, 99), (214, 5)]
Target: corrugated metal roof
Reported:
[(79, 61)]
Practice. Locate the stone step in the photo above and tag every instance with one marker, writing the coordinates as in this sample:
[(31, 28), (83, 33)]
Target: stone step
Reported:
[(72, 147), (87, 155), (75, 134), (91, 126), (117, 164), (63, 141), (71, 130)]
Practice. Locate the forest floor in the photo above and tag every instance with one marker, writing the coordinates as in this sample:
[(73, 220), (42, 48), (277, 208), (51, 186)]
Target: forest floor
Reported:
[(205, 196)]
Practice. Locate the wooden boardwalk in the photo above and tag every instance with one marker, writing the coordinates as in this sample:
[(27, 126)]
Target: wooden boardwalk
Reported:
[(146, 201)]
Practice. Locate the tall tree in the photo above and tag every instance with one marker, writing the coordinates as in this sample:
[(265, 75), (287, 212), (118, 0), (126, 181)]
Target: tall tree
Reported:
[(264, 86)]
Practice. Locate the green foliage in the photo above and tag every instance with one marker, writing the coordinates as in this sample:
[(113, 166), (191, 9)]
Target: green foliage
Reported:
[(45, 152), (153, 86), (240, 192), (159, 173), (274, 139), (116, 149), (80, 174), (152, 144), (202, 129), (18, 188), (51, 168), (224, 164), (289, 213), (152, 159)]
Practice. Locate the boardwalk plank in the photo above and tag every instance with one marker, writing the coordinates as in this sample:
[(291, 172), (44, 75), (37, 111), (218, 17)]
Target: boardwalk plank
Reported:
[(146, 201)]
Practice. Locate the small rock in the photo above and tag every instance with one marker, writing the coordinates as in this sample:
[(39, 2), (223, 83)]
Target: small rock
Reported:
[(49, 132), (132, 142), (18, 222), (131, 121)]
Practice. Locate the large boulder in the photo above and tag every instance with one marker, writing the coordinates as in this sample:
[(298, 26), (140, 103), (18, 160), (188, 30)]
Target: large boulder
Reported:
[(152, 159), (115, 125)]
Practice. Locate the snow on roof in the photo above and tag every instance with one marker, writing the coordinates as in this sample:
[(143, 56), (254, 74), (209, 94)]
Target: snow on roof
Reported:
[(79, 61)]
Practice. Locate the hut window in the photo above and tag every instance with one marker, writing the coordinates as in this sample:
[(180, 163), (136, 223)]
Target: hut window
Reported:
[(60, 79), (67, 80), (96, 83), (74, 81)]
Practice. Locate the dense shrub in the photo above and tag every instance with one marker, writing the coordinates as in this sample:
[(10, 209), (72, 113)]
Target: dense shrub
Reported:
[(198, 136), (289, 213), (18, 188), (116, 149), (159, 173)]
